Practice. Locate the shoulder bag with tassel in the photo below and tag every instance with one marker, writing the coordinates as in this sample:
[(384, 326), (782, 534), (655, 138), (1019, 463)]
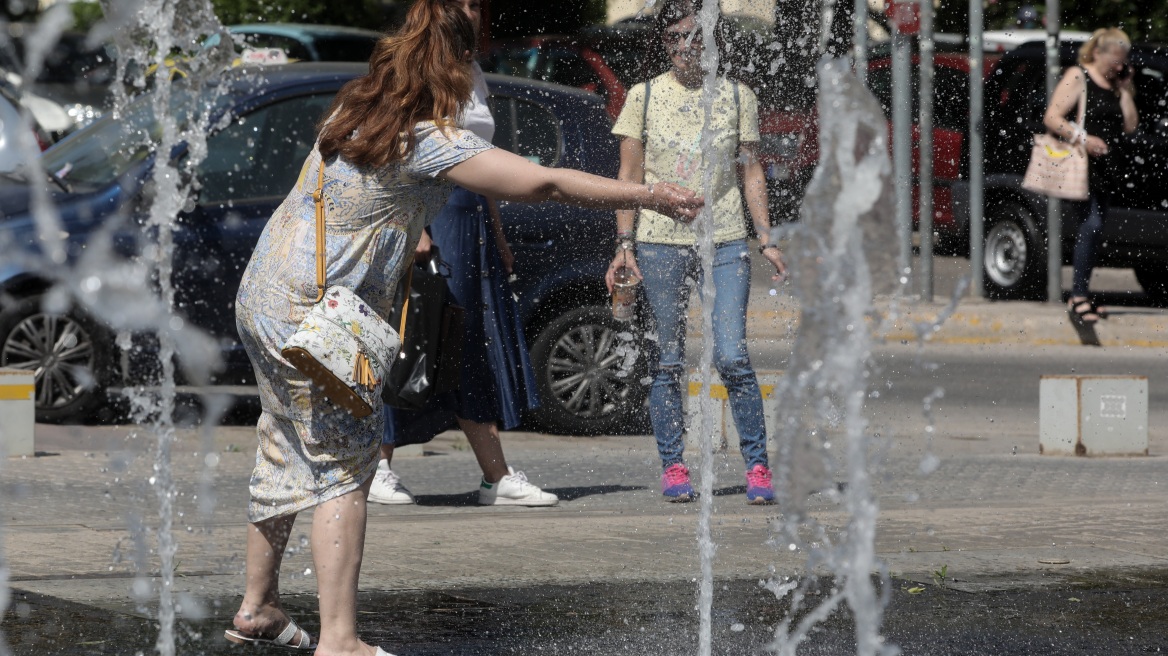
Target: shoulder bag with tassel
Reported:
[(342, 346)]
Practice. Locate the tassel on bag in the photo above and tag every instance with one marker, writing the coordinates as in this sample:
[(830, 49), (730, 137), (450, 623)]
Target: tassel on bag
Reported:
[(363, 371), (341, 346)]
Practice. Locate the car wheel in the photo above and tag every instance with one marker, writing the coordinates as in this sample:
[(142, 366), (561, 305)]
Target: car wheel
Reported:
[(1154, 280), (1014, 258), (69, 355), (588, 382)]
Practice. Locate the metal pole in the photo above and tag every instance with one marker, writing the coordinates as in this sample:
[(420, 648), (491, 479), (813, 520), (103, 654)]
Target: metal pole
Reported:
[(1054, 215), (860, 40), (902, 146), (925, 168), (976, 154)]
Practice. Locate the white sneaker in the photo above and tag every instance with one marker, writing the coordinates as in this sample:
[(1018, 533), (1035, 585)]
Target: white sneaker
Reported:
[(387, 488), (514, 490)]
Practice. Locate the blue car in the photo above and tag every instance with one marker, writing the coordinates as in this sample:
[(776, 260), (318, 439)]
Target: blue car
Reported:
[(99, 177), (306, 42)]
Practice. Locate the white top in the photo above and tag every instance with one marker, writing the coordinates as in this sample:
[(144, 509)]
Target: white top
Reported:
[(477, 116)]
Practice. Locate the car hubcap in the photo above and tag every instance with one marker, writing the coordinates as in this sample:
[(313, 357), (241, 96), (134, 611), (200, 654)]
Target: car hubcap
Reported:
[(1005, 254), (58, 351), (584, 372)]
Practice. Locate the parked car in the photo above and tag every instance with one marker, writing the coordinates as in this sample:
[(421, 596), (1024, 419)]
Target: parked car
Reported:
[(563, 60), (1136, 230), (790, 136), (253, 159), (73, 85), (1002, 41), (307, 42), (12, 126)]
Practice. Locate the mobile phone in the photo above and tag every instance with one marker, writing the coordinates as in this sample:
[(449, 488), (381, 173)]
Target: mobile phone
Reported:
[(1125, 72)]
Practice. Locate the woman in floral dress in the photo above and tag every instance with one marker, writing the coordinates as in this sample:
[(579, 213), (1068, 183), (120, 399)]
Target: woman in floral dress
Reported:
[(390, 158)]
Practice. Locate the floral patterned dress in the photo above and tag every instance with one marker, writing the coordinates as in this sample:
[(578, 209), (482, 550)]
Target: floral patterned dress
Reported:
[(309, 450)]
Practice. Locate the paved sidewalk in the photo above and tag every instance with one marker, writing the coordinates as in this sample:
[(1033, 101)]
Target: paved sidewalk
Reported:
[(994, 521), (77, 517)]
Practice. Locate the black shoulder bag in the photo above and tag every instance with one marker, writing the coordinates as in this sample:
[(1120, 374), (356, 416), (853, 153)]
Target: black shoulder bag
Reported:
[(431, 329)]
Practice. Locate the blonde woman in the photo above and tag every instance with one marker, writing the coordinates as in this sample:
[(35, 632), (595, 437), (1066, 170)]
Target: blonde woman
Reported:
[(1111, 113)]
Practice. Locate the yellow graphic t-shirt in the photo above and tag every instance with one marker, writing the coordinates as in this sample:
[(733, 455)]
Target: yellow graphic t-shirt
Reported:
[(674, 152)]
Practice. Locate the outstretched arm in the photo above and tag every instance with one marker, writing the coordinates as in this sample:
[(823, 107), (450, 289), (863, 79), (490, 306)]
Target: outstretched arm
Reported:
[(505, 176)]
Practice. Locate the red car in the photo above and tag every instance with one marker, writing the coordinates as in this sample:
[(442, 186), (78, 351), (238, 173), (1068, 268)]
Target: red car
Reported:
[(560, 59), (790, 140)]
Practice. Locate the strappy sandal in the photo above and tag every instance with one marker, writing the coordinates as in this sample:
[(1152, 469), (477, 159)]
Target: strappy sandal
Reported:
[(285, 639), (1099, 310), (1083, 313)]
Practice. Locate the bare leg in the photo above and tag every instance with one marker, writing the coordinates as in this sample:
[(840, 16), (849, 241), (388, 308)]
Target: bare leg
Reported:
[(387, 452), (338, 540), (260, 614), (488, 450)]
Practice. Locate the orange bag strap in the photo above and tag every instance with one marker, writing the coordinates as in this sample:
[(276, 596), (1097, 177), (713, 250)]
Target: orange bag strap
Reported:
[(401, 332), (318, 200)]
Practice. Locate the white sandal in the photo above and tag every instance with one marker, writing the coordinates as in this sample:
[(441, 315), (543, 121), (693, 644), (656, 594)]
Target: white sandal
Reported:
[(282, 640)]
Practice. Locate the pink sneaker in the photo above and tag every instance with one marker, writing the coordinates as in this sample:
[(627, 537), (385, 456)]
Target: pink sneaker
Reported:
[(675, 484), (758, 486)]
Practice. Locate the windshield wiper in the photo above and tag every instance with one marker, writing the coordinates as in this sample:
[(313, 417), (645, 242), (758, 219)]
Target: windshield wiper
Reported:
[(60, 182)]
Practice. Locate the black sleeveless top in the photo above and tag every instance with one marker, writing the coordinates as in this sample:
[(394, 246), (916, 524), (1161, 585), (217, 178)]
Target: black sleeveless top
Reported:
[(1104, 119)]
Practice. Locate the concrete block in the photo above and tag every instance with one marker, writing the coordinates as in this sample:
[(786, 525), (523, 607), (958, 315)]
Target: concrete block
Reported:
[(17, 412), (726, 433), (1093, 415)]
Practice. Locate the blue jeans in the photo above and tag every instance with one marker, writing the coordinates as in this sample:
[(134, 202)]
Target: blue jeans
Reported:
[(670, 273), (1086, 252)]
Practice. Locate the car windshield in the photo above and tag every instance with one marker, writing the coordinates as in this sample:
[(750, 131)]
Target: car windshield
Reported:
[(104, 152), (345, 48), (519, 62)]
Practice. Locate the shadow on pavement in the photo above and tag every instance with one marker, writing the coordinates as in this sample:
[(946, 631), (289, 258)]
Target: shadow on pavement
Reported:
[(1089, 614), (564, 493)]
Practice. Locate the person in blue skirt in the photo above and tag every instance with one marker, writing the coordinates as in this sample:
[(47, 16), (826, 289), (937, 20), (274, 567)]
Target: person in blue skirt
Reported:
[(497, 383)]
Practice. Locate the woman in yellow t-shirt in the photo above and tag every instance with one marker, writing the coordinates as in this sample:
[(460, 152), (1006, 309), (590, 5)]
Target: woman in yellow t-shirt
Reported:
[(661, 125)]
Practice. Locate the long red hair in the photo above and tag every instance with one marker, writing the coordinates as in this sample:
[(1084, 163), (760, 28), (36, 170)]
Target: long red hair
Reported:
[(419, 73)]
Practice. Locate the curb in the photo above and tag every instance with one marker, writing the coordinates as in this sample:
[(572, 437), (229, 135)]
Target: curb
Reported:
[(982, 323)]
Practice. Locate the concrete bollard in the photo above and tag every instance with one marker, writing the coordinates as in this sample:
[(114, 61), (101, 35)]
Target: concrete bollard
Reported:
[(1093, 415), (17, 412), (726, 433)]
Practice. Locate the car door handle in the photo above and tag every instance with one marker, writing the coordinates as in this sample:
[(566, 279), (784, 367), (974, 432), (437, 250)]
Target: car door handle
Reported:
[(540, 245)]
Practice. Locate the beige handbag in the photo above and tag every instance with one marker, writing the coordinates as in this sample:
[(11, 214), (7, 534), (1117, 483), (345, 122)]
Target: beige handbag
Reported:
[(1058, 168)]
